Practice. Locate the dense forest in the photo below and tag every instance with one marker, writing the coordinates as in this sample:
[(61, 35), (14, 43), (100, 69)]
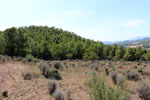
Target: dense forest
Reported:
[(51, 43)]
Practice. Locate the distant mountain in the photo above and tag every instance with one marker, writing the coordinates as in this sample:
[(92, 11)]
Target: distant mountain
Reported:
[(107, 42), (137, 42), (138, 38), (134, 42)]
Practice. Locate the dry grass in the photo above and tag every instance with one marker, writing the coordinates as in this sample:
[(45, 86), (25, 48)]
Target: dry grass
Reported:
[(31, 72)]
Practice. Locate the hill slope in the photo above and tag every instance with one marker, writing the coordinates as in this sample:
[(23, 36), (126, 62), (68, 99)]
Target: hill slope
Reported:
[(43, 42), (51, 43)]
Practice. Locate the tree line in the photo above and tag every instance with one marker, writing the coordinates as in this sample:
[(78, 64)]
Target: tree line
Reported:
[(52, 43)]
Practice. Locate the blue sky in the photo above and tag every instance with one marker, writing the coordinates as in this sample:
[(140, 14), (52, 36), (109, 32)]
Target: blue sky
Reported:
[(103, 20)]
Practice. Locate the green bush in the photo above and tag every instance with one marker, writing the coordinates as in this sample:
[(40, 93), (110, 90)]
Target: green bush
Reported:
[(53, 75), (113, 68), (1, 97), (139, 70), (100, 90), (29, 58), (135, 66)]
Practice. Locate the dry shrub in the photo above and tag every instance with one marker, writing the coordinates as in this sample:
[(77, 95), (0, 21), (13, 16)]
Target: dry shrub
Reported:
[(114, 77), (133, 76), (31, 72), (68, 94), (59, 95), (56, 93), (52, 87), (144, 91), (120, 79), (4, 58), (94, 66), (43, 67), (106, 71), (58, 65)]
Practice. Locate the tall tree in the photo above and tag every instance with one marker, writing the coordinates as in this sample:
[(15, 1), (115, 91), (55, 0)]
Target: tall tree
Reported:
[(119, 52)]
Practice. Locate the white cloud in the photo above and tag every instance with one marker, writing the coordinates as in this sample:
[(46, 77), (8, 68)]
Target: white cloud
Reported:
[(133, 23)]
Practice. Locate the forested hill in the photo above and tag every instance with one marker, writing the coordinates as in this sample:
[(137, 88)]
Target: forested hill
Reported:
[(52, 43), (43, 42)]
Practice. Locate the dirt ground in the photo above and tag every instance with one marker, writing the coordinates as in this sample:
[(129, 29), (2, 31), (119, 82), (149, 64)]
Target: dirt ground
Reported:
[(12, 81), (73, 78)]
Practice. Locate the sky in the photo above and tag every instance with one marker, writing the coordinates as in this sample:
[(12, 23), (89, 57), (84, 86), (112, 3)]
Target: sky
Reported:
[(100, 20)]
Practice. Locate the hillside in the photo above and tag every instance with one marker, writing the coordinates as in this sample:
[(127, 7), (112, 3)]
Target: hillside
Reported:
[(52, 43), (42, 42)]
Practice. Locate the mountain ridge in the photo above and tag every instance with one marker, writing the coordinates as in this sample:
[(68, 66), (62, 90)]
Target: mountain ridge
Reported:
[(145, 40)]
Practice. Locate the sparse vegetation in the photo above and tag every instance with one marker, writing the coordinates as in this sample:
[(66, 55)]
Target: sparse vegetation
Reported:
[(100, 90), (118, 77)]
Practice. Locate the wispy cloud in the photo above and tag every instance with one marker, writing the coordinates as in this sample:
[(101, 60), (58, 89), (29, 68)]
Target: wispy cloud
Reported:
[(134, 23)]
